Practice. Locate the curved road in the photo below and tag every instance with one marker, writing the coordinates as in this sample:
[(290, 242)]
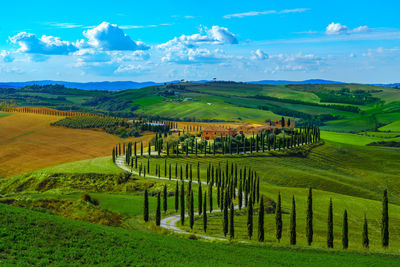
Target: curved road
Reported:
[(169, 223)]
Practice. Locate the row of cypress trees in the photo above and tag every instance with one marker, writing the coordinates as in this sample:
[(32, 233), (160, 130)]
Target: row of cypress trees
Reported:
[(228, 211), (260, 142)]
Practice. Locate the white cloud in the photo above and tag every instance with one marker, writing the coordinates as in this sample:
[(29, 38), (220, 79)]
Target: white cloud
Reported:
[(110, 37), (181, 54), (128, 27), (46, 45), (131, 69), (267, 12), (6, 56), (337, 28), (64, 25), (259, 55), (361, 29), (296, 62), (215, 35)]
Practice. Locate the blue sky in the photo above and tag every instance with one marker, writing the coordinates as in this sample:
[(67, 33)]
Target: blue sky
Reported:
[(352, 41)]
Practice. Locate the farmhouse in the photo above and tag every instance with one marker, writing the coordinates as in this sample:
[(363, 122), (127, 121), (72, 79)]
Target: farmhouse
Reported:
[(210, 132)]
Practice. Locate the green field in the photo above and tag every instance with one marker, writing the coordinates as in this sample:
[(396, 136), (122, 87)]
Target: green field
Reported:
[(31, 238)]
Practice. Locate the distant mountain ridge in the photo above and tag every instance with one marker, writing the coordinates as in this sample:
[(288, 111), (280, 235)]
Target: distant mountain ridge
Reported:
[(123, 85)]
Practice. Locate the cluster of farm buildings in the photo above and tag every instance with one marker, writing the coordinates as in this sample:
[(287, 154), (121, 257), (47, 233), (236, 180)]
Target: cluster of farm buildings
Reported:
[(211, 132)]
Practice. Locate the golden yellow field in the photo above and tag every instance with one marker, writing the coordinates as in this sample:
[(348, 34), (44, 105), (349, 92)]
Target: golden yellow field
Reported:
[(28, 142)]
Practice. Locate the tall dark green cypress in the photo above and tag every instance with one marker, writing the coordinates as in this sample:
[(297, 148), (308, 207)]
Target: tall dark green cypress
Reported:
[(146, 206), (309, 219), (210, 199), (225, 222), (158, 211), (261, 221), (177, 197), (385, 220), (365, 238), (329, 239), (240, 195), (278, 218), (191, 209), (200, 200), (165, 198), (345, 231), (231, 222), (205, 212), (182, 200), (293, 223), (250, 219)]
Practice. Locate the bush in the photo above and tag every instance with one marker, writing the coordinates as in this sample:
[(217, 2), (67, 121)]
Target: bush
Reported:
[(86, 197)]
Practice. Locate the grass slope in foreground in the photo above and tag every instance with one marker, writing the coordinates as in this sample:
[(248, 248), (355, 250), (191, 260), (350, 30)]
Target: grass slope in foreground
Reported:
[(30, 237)]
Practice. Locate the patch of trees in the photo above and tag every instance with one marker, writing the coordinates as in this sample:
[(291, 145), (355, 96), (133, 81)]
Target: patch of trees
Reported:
[(293, 101), (107, 103), (385, 143), (356, 97), (109, 124)]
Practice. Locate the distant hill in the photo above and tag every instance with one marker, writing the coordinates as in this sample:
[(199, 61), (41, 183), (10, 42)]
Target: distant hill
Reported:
[(110, 86), (312, 81), (123, 85)]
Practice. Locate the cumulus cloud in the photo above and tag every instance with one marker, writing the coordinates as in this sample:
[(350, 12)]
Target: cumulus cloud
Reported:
[(267, 12), (184, 55), (6, 56), (337, 28), (110, 37), (46, 45), (296, 62), (259, 55), (215, 35)]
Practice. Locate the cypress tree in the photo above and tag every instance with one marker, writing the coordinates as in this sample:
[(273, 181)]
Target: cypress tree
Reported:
[(385, 220), (182, 203), (278, 218), (225, 223), (165, 196), (365, 233), (345, 231), (330, 225), (158, 211), (293, 224), (309, 220), (231, 222), (146, 206), (210, 200), (250, 219), (191, 209), (240, 195), (113, 155), (200, 200), (261, 221), (177, 197), (205, 212)]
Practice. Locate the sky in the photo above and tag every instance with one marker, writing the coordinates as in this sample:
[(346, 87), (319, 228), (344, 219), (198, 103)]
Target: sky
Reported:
[(83, 41)]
